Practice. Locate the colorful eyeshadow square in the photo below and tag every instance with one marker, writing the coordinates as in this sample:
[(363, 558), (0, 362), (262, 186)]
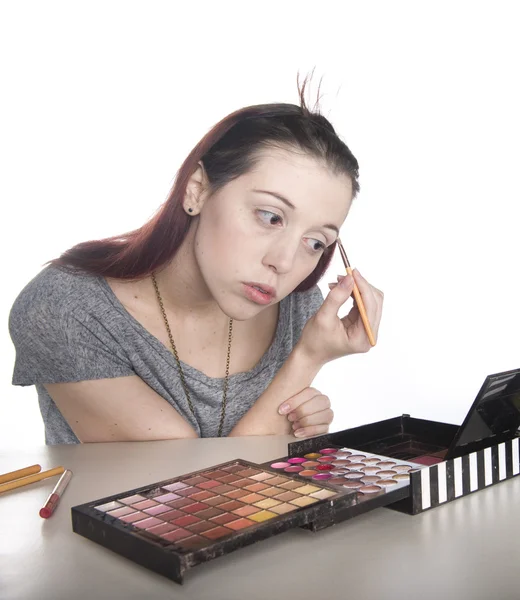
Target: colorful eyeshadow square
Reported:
[(145, 523), (304, 501), (171, 487), (144, 504), (171, 515), (236, 494), (240, 524), (180, 503), (290, 485), (224, 518), (208, 485), (229, 479), (216, 500), (241, 483), (250, 498), (307, 489), (200, 526), (244, 511), (157, 510), (119, 512), (195, 507), (263, 515), (176, 535), (163, 528), (231, 505), (282, 509), (131, 499), (200, 496), (267, 503), (272, 491), (136, 516), (256, 487), (108, 506), (167, 497), (217, 532), (193, 542), (221, 489), (187, 520), (195, 480), (188, 491), (208, 514), (261, 476)]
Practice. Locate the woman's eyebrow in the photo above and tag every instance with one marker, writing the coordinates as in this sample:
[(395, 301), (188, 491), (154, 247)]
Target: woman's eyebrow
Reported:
[(291, 205)]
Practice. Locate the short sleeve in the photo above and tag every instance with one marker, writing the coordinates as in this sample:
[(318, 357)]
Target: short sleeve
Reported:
[(53, 345)]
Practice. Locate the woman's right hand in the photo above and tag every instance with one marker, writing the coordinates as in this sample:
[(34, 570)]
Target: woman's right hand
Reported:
[(326, 337)]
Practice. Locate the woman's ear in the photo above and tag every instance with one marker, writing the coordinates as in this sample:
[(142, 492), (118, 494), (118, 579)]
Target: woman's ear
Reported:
[(196, 191)]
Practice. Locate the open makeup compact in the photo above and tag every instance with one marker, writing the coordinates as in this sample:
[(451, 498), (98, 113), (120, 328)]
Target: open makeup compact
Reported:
[(404, 463)]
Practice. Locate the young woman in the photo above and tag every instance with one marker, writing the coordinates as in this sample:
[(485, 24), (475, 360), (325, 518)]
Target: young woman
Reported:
[(207, 320)]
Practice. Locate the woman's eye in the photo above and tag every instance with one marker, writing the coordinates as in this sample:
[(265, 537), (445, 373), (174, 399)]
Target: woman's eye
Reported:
[(315, 245), (269, 218)]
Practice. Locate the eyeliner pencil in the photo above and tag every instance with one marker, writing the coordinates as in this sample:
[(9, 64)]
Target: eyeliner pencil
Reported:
[(357, 295), (20, 473)]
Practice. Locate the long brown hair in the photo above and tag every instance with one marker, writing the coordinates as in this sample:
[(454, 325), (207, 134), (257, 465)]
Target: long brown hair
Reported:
[(230, 149)]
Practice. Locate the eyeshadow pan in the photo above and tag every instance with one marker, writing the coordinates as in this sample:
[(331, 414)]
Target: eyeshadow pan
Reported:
[(217, 532), (131, 518), (370, 479), (326, 459), (384, 464), (261, 476), (370, 489), (322, 494), (338, 462), (221, 489), (186, 520), (131, 499), (385, 474), (290, 485), (304, 501), (233, 468), (171, 515), (267, 503), (280, 465), (296, 460), (322, 476), (195, 480), (353, 485), (337, 480), (328, 450), (325, 467), (293, 469), (231, 505), (157, 510), (356, 466), (200, 526), (176, 535), (119, 512), (199, 496), (282, 509), (242, 482), (256, 487), (216, 500), (193, 542), (236, 494), (145, 504), (387, 482), (286, 496), (171, 487), (371, 470), (312, 455), (224, 518), (188, 491), (354, 475), (307, 489), (214, 474), (249, 472), (263, 515), (270, 492), (401, 476), (180, 503), (229, 479), (240, 524), (209, 513), (310, 463), (195, 507), (167, 497), (357, 457), (244, 511), (208, 485), (164, 528), (108, 506), (307, 473), (401, 468), (149, 522), (371, 460), (250, 498), (276, 480)]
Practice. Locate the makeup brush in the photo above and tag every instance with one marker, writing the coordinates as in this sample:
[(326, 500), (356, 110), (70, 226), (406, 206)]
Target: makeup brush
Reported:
[(357, 295)]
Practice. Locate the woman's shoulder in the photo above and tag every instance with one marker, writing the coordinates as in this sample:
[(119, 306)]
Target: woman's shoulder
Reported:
[(54, 293)]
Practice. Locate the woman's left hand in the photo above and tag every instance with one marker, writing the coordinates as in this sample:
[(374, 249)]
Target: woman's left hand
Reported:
[(309, 412)]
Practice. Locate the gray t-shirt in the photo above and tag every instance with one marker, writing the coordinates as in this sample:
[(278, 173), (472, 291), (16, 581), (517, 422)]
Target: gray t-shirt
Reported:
[(71, 327)]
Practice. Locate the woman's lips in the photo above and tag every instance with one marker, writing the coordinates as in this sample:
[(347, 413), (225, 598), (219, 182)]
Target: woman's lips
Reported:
[(256, 295)]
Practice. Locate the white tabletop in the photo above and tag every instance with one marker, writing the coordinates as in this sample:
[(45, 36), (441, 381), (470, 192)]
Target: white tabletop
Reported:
[(469, 548)]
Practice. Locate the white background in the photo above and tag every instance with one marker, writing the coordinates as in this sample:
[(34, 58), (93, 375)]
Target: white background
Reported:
[(102, 101)]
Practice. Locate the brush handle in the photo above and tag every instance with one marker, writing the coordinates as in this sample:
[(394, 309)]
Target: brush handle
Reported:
[(31, 479), (362, 311), (20, 473)]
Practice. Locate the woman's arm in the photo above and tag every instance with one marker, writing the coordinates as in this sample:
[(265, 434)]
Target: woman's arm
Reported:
[(325, 337), (122, 409)]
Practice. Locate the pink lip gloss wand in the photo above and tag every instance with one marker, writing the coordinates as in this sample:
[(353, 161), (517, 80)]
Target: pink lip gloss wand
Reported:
[(56, 494)]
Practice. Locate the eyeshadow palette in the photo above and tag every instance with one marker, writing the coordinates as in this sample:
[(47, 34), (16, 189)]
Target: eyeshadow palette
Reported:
[(176, 524), (376, 480)]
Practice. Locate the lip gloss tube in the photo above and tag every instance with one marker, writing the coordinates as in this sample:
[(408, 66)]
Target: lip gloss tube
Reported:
[(56, 494)]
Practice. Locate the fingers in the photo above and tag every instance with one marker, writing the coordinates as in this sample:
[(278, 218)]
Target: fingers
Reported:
[(324, 417), (294, 402), (336, 298), (311, 431)]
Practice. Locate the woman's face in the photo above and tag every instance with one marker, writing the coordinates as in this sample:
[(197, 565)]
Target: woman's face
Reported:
[(254, 248)]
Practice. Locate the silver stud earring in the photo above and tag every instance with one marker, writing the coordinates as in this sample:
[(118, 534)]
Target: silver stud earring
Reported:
[(190, 210)]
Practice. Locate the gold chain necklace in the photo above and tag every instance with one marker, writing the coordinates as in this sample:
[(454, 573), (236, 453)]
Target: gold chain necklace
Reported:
[(181, 373)]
